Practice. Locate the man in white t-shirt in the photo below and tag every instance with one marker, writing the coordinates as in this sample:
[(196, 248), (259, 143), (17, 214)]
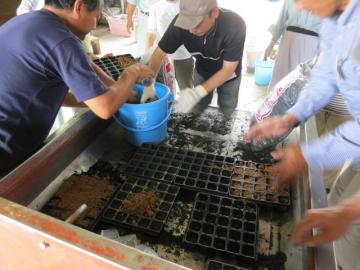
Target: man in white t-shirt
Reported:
[(160, 16), (29, 5)]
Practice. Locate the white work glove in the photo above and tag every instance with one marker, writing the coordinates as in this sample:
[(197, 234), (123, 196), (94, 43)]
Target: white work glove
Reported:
[(188, 98)]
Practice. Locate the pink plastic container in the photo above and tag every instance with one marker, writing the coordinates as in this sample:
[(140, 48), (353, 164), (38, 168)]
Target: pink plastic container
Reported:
[(117, 25)]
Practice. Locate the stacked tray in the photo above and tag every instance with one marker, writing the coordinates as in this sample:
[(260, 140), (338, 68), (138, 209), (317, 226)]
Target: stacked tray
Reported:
[(217, 265), (251, 180), (188, 169), (223, 224), (114, 65), (152, 225)]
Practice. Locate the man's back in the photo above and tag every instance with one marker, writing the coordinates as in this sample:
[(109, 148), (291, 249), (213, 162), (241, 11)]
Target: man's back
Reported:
[(38, 66)]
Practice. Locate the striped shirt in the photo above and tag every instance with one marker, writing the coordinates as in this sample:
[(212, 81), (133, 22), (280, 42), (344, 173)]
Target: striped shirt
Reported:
[(338, 71)]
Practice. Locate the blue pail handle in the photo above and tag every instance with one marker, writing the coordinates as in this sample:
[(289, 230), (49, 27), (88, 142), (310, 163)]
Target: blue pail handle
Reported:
[(149, 128)]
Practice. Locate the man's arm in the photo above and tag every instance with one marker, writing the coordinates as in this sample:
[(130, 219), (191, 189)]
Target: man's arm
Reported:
[(156, 60), (334, 149), (106, 104), (70, 100), (106, 79), (150, 39), (130, 13), (189, 97), (151, 28), (220, 77)]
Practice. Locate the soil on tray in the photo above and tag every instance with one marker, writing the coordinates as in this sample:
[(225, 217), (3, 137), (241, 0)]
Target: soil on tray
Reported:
[(74, 192), (141, 203)]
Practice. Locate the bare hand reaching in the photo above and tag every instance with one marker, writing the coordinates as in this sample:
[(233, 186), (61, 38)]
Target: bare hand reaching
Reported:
[(271, 128), (291, 164), (139, 72), (331, 223)]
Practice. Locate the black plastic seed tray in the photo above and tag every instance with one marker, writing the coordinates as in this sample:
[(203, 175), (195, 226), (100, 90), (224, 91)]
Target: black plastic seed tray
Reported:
[(189, 169), (217, 265), (114, 65), (224, 224), (151, 225), (251, 180)]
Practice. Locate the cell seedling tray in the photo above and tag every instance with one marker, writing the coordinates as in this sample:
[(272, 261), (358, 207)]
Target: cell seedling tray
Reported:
[(252, 180), (189, 169), (223, 224), (114, 65), (216, 265), (151, 225)]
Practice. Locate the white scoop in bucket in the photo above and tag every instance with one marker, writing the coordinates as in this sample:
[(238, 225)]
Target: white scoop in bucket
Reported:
[(149, 91)]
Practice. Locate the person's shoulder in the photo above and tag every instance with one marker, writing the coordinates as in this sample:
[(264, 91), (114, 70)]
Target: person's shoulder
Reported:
[(230, 19), (230, 16), (53, 30)]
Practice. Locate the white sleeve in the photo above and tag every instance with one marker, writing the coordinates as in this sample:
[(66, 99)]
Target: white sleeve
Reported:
[(29, 5), (152, 20)]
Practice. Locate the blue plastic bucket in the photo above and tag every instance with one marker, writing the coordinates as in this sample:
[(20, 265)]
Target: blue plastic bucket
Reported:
[(148, 114), (263, 72), (139, 136)]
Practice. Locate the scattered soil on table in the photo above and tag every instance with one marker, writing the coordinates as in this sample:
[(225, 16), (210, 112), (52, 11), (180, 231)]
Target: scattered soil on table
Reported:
[(141, 203), (77, 190), (178, 219)]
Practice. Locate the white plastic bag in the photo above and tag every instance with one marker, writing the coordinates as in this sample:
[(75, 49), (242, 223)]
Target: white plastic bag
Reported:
[(281, 98)]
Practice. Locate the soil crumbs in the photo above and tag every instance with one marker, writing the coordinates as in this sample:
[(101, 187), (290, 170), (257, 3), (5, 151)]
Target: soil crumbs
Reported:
[(141, 204), (77, 190)]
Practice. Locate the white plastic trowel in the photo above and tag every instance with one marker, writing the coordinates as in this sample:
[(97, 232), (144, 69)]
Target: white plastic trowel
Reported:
[(149, 90)]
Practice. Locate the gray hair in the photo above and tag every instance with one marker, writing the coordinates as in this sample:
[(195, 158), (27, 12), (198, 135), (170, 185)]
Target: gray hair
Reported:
[(92, 5)]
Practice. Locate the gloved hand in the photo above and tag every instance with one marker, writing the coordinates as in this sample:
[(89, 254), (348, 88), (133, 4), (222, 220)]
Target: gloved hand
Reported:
[(188, 98)]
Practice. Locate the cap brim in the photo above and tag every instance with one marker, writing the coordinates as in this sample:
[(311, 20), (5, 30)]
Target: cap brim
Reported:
[(188, 22)]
